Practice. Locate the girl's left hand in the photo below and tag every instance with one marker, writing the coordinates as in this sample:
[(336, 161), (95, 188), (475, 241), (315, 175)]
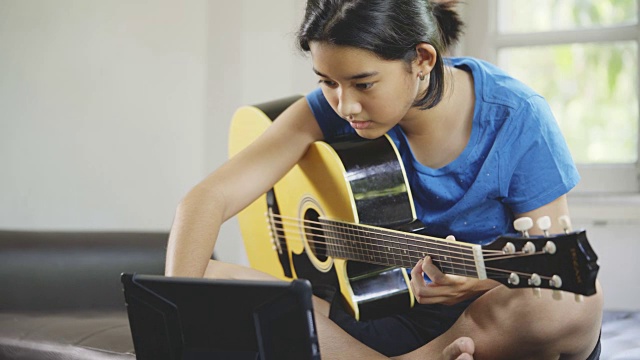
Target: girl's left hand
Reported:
[(444, 288)]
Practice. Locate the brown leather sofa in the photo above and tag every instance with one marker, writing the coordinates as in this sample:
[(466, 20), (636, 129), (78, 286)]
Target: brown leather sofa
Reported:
[(61, 296)]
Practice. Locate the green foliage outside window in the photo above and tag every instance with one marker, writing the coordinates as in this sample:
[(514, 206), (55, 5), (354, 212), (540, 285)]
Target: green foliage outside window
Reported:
[(591, 87), (517, 16)]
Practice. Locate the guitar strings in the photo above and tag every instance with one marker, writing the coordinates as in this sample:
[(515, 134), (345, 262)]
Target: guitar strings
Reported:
[(386, 242), (413, 258), (372, 231), (464, 268), (489, 255), (423, 239), (466, 262), (465, 265)]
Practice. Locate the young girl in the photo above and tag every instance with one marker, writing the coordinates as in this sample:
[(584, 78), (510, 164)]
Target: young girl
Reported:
[(479, 148)]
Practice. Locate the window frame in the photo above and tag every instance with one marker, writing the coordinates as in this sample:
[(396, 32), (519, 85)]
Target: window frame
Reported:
[(482, 40)]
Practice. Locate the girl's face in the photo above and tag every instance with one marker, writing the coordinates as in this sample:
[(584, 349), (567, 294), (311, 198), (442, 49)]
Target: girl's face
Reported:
[(372, 94)]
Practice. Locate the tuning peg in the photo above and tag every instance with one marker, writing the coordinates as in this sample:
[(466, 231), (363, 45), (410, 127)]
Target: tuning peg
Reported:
[(523, 225), (535, 280), (509, 248), (550, 247), (565, 222), (514, 279), (555, 281), (579, 298), (544, 224), (529, 248), (556, 295)]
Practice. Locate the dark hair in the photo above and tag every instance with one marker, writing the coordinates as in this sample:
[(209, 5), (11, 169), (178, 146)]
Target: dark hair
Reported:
[(389, 28)]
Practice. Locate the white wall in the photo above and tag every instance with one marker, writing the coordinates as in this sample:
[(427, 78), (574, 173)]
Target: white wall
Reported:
[(111, 110), (101, 111), (252, 59)]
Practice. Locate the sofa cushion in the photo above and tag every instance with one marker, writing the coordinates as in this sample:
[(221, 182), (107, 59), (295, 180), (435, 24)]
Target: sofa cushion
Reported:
[(79, 271), (66, 336)]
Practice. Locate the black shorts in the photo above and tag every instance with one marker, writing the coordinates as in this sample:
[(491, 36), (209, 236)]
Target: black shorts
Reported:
[(595, 354), (410, 330)]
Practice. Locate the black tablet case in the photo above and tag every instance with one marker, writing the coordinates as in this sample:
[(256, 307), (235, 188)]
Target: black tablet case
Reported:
[(174, 318)]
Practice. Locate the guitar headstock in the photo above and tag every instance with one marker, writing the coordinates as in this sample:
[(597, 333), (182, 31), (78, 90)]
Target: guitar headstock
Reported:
[(560, 262)]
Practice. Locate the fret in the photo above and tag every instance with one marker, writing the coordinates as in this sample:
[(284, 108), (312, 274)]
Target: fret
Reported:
[(461, 259), (351, 243), (367, 248), (385, 252), (342, 240), (379, 250), (398, 249), (417, 250), (469, 264), (435, 251), (334, 237), (331, 244), (371, 251), (364, 244), (357, 240), (386, 256), (447, 259), (380, 254), (337, 239), (391, 249), (404, 250), (346, 244)]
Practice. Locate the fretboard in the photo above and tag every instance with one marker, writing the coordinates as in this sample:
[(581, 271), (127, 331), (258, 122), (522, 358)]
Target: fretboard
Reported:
[(382, 246)]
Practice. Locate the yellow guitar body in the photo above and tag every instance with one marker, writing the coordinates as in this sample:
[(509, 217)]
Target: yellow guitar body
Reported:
[(248, 124), (315, 185)]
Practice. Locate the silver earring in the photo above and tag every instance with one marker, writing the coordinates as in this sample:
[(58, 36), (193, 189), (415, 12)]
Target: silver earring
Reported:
[(421, 76)]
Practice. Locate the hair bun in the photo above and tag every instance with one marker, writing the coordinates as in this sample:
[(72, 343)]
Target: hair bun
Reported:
[(449, 21)]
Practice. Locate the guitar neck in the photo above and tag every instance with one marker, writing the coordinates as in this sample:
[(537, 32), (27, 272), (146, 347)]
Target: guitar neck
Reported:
[(388, 247)]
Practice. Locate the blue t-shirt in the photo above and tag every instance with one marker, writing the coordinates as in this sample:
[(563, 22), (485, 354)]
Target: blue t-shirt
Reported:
[(516, 159)]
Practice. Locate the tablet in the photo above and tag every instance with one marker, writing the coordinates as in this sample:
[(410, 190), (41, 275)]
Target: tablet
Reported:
[(176, 318)]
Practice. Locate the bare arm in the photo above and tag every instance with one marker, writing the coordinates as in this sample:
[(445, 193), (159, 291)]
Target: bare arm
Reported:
[(233, 186), (554, 210)]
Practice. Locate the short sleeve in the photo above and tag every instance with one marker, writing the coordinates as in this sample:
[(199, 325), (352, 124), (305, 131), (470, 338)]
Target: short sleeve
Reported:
[(536, 162), (331, 124)]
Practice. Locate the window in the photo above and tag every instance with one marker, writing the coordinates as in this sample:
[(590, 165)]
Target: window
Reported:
[(582, 56)]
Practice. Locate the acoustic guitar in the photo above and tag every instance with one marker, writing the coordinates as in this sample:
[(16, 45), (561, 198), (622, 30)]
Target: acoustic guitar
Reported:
[(344, 217)]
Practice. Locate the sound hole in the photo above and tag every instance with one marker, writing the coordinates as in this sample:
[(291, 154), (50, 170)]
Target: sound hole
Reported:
[(315, 235)]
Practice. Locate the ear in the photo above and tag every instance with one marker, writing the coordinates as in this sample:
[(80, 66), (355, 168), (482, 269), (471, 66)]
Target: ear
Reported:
[(426, 60)]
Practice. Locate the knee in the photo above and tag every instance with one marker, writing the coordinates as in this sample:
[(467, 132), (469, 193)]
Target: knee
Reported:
[(221, 270), (542, 317)]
